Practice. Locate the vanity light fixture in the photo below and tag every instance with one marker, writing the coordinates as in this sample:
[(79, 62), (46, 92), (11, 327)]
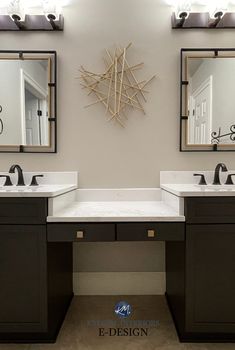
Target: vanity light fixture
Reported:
[(217, 9), (52, 10), (217, 16), (45, 15), (16, 11), (182, 9), (208, 14)]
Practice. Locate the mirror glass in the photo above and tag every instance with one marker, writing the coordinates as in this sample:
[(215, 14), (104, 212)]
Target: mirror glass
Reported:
[(208, 100), (26, 103)]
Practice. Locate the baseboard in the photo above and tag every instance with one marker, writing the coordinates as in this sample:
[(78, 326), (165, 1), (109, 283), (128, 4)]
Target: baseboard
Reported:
[(119, 283)]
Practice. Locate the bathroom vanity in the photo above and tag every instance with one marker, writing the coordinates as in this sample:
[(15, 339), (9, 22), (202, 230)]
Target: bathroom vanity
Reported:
[(38, 226), (200, 285), (36, 284), (200, 271)]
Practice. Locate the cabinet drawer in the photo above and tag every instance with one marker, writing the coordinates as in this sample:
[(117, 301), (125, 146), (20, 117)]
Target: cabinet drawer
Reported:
[(80, 232), (23, 211), (150, 232), (216, 210)]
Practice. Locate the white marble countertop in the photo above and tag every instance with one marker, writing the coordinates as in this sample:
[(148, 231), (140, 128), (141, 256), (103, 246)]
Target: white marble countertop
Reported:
[(193, 190), (35, 191), (114, 206), (185, 184), (52, 184)]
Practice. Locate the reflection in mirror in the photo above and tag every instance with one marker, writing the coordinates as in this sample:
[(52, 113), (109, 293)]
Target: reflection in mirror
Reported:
[(208, 100), (211, 100), (1, 122), (35, 108), (26, 101)]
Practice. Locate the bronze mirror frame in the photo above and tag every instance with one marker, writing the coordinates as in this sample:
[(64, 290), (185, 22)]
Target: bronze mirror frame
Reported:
[(186, 54), (51, 57)]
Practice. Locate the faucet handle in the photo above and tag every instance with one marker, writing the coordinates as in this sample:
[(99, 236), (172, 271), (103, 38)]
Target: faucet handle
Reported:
[(202, 179), (34, 180), (229, 180), (8, 180)]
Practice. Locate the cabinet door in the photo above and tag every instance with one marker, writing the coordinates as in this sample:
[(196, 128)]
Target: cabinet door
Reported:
[(23, 278), (210, 278)]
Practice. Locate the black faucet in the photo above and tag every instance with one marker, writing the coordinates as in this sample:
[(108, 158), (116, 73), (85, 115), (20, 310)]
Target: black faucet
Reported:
[(223, 168), (20, 174)]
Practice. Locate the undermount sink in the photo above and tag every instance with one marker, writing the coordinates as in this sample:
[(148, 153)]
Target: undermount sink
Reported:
[(217, 187), (50, 184), (35, 191), (18, 188), (15, 188)]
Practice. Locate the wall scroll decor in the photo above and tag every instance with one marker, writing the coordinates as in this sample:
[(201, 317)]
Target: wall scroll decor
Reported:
[(117, 88), (1, 122), (217, 136)]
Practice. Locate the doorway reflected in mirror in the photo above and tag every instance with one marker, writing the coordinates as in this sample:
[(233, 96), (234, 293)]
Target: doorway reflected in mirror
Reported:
[(28, 93), (207, 99)]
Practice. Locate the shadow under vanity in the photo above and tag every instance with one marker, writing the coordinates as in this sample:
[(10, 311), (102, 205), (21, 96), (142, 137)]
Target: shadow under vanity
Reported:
[(40, 223)]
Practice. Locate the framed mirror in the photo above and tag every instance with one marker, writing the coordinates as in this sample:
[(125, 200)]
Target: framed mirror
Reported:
[(207, 105), (28, 101)]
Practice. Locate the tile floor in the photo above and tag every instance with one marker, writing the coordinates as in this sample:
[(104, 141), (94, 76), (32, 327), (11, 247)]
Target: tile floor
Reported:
[(77, 335)]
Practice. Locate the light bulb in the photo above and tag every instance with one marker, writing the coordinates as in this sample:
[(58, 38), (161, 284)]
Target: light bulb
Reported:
[(182, 6), (51, 9), (16, 10), (216, 6)]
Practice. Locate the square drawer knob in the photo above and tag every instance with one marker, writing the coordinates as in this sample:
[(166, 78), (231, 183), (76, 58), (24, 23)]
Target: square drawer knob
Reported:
[(151, 233), (80, 234)]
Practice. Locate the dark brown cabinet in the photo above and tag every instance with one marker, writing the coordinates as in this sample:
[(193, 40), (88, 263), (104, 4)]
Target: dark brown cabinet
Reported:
[(210, 274), (150, 231), (200, 272), (35, 275), (36, 267), (23, 297), (81, 232), (29, 211)]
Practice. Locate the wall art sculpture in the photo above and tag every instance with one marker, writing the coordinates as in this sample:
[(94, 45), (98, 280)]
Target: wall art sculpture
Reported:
[(118, 88)]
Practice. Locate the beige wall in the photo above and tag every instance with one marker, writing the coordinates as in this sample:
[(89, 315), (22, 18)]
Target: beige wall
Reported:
[(103, 153)]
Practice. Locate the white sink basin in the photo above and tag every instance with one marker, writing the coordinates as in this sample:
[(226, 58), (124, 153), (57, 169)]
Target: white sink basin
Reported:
[(217, 187), (19, 188), (194, 190), (35, 191)]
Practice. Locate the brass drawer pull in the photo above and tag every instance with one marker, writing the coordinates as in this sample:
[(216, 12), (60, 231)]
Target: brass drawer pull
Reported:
[(151, 233), (80, 234)]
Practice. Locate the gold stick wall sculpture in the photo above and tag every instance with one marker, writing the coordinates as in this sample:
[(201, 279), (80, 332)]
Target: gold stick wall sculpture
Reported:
[(117, 88)]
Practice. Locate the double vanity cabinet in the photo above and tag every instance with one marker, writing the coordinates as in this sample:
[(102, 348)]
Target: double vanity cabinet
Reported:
[(38, 228)]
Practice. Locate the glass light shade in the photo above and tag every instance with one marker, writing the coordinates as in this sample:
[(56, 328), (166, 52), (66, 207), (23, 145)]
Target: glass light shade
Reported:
[(182, 6), (51, 8), (16, 8), (215, 6), (4, 7)]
